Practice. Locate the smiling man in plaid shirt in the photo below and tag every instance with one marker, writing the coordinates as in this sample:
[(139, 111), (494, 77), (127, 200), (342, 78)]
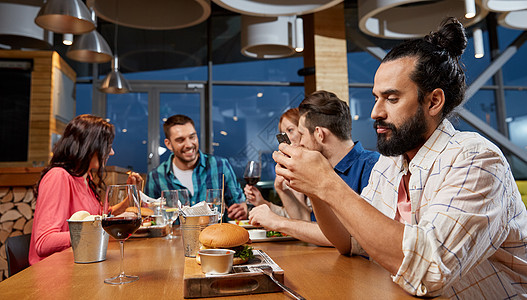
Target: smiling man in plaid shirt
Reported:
[(189, 168)]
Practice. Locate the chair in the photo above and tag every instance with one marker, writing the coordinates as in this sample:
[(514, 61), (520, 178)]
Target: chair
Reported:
[(17, 250)]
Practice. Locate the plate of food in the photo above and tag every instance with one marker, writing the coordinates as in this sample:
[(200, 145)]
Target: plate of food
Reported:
[(152, 226), (244, 223), (262, 235)]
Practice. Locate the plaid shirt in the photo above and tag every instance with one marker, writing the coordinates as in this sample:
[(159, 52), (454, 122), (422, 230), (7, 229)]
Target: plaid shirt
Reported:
[(469, 225), (206, 175)]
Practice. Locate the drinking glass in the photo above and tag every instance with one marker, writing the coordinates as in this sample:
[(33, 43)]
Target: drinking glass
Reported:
[(252, 173), (214, 200), (183, 197), (169, 209), (121, 217)]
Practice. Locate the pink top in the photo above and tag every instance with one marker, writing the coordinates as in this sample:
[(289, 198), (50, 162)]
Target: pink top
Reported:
[(404, 206), (59, 196)]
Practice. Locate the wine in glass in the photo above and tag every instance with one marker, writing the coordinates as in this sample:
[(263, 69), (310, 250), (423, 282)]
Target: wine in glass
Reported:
[(252, 173), (169, 209), (215, 201), (121, 218)]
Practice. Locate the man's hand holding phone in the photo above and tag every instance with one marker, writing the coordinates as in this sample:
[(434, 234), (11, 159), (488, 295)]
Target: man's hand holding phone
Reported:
[(283, 138)]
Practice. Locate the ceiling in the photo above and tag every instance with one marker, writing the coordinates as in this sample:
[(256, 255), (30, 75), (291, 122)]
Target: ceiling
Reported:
[(142, 50)]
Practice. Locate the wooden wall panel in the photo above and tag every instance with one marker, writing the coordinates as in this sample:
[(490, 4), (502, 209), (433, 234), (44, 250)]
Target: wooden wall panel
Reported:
[(325, 49), (42, 122)]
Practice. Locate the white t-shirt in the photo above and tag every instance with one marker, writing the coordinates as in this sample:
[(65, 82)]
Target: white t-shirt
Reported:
[(185, 177)]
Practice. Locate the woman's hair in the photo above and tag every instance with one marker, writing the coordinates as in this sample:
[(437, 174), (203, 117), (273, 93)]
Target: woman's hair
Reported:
[(438, 63), (84, 137), (292, 115)]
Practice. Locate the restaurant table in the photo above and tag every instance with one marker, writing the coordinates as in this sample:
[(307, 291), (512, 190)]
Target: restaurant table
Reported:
[(314, 272)]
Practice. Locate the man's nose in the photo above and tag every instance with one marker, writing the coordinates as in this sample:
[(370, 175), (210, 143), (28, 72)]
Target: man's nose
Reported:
[(378, 111)]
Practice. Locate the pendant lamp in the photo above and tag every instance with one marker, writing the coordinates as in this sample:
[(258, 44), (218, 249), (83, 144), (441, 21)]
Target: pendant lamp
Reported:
[(29, 36), (115, 83), (272, 8), (505, 5), (271, 37), (90, 47), (153, 15), (408, 19), (65, 16)]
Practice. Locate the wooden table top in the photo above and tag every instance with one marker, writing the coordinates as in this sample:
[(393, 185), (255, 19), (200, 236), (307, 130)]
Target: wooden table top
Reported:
[(314, 272)]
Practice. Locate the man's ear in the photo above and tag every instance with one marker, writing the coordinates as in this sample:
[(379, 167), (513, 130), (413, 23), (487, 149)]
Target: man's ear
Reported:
[(320, 134), (437, 102), (169, 146)]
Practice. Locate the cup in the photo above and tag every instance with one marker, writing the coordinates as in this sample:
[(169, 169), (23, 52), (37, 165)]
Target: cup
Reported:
[(191, 227), (216, 261), (88, 240)]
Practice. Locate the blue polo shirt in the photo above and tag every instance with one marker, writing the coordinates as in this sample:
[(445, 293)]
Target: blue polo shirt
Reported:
[(355, 168)]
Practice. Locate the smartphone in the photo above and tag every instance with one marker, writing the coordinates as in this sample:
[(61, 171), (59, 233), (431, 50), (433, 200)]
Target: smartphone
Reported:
[(283, 138)]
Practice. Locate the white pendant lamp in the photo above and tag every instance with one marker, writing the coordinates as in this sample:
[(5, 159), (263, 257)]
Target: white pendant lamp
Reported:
[(271, 37), (470, 9), (514, 19), (154, 15), (513, 12), (30, 35), (477, 36), (65, 16), (271, 8), (504, 5), (407, 19)]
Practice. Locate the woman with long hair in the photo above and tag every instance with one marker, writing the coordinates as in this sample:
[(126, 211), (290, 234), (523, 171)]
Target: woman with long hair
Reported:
[(66, 184)]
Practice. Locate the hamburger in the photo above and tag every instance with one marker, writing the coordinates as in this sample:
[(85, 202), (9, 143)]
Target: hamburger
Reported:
[(227, 236)]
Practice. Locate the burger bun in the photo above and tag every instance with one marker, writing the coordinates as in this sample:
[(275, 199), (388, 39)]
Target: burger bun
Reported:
[(145, 211), (223, 235)]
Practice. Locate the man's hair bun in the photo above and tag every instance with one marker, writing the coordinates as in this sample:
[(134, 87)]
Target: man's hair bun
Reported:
[(450, 36)]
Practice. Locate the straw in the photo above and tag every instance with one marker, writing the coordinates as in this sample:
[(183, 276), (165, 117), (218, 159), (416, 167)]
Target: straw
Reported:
[(222, 195)]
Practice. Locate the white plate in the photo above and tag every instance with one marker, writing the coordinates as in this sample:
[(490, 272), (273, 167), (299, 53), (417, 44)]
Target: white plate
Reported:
[(274, 239), (245, 224)]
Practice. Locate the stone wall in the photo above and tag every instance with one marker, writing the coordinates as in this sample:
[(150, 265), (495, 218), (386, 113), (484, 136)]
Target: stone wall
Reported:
[(17, 206)]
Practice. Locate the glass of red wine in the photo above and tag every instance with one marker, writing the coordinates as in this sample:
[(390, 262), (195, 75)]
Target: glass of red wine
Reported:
[(252, 173), (121, 217)]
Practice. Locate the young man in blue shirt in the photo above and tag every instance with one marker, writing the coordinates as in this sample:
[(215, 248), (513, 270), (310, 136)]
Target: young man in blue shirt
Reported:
[(324, 126), (189, 168)]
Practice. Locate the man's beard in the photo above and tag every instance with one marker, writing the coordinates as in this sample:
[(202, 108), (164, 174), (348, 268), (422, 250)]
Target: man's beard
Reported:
[(408, 136), (184, 159)]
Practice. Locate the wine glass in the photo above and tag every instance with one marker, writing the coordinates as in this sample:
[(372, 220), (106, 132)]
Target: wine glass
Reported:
[(121, 218), (169, 209), (215, 202), (252, 173)]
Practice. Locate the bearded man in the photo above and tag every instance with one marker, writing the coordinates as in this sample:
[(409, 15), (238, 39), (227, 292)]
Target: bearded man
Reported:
[(441, 211)]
